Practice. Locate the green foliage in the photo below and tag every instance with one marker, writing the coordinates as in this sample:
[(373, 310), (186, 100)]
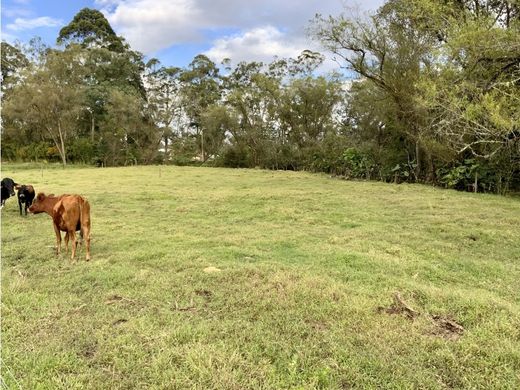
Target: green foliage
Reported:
[(82, 150), (90, 28), (234, 157), (13, 61), (438, 85), (357, 164)]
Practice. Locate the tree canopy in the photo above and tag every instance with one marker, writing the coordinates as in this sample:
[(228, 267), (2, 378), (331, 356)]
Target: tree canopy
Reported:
[(429, 92), (90, 28)]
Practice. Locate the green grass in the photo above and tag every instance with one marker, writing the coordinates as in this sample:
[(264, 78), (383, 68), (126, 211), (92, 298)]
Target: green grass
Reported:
[(305, 262)]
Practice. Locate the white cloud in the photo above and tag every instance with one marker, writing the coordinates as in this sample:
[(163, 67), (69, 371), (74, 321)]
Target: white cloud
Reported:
[(151, 25), (257, 44), (264, 28), (13, 12), (21, 24)]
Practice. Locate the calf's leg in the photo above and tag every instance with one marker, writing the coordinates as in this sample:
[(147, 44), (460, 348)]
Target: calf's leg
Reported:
[(58, 240), (66, 242), (85, 232), (72, 234)]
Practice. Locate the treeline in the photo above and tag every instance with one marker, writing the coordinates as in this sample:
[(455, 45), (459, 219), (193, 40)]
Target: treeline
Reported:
[(435, 98)]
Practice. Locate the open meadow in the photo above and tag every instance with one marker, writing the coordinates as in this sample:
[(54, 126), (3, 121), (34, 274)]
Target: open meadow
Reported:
[(207, 278)]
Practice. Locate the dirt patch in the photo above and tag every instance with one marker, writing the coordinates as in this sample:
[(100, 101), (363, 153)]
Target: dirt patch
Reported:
[(399, 306), (204, 293), (89, 352), (447, 328), (443, 326), (119, 321)]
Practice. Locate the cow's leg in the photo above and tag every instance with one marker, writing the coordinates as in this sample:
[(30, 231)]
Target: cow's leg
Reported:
[(58, 240), (20, 206), (72, 234), (66, 242), (85, 231)]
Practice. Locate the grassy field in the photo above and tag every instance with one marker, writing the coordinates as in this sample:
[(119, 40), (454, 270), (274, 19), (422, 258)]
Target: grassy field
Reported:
[(207, 278)]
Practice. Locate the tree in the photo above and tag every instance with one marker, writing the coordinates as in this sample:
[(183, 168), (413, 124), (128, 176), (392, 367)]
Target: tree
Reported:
[(50, 100), (307, 111), (200, 89), (474, 96), (108, 64), (252, 94), (91, 29), (390, 49), (13, 61), (444, 75), (124, 137), (164, 102)]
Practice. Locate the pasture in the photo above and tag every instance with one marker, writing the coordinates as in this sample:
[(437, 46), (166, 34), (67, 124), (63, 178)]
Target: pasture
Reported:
[(208, 278)]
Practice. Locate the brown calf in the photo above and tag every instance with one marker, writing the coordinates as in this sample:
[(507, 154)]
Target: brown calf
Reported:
[(69, 213)]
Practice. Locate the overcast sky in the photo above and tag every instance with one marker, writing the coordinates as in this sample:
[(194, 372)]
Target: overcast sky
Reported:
[(175, 31)]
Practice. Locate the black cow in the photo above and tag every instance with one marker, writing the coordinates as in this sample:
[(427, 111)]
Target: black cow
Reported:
[(25, 195), (8, 186)]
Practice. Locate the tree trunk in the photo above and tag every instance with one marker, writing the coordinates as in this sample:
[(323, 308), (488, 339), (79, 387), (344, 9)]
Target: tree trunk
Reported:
[(165, 146), (431, 169), (61, 149), (417, 160), (202, 145), (92, 127)]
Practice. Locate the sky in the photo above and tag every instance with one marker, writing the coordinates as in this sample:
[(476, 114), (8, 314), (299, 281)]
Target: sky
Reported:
[(175, 31)]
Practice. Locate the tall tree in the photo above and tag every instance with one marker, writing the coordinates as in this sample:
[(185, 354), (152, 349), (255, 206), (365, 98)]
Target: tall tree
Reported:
[(50, 99), (13, 61), (109, 64), (391, 50), (91, 29), (200, 89), (164, 102)]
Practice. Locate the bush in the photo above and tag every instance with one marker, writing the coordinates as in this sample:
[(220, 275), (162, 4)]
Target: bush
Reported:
[(234, 157), (468, 174), (358, 164), (82, 150)]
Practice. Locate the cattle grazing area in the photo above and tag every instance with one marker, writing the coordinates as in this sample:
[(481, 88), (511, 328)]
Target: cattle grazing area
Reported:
[(211, 278)]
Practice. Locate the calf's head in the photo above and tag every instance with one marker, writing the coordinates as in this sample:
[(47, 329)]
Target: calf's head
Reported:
[(21, 192), (39, 204)]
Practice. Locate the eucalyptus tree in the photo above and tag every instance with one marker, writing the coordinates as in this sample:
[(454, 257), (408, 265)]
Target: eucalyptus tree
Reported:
[(164, 102), (49, 100), (111, 69), (91, 29), (13, 61), (309, 114), (252, 96), (125, 138), (308, 108), (200, 88)]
